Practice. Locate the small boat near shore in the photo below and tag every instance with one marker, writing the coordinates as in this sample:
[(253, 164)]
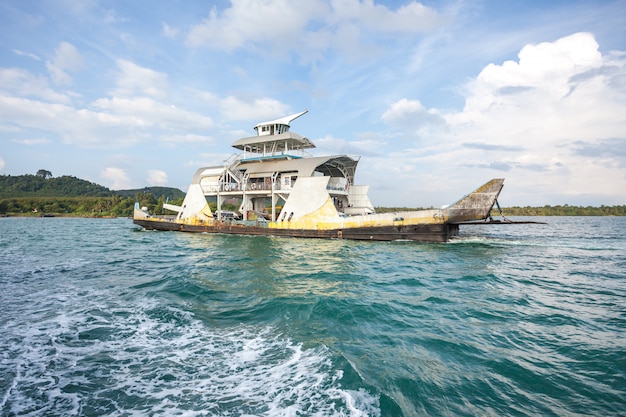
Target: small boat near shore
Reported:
[(283, 191)]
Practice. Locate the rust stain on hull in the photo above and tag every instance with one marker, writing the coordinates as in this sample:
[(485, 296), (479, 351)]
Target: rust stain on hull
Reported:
[(418, 233)]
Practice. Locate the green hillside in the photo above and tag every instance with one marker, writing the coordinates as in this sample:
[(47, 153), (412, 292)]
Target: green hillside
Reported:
[(42, 194), (40, 186)]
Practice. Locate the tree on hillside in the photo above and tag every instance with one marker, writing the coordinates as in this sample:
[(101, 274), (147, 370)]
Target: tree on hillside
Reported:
[(44, 173)]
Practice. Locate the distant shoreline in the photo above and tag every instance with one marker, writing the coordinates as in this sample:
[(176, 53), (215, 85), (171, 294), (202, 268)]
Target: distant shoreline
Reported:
[(57, 215)]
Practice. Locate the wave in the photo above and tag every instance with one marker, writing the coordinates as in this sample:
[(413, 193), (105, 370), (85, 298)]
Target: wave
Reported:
[(147, 358)]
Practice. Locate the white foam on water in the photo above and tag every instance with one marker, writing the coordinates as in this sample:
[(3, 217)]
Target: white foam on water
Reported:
[(470, 239), (101, 357)]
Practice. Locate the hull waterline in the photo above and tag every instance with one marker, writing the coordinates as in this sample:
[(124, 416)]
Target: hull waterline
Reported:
[(419, 233)]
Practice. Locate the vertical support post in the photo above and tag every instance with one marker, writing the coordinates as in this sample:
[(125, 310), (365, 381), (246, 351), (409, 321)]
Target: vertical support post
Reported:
[(219, 202)]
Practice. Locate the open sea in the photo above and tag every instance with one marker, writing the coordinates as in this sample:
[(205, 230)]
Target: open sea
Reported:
[(101, 318)]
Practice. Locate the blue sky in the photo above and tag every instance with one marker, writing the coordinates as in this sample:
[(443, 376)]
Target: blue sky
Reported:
[(436, 97)]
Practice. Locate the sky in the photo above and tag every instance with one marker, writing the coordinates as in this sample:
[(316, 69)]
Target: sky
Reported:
[(435, 97)]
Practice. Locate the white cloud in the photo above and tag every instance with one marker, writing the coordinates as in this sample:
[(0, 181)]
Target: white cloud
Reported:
[(364, 145), (309, 28), (66, 59), (111, 17), (116, 177), (78, 9), (26, 54), (109, 122), (143, 112), (411, 114), (75, 126), (32, 142), (2, 164), (156, 177), (135, 80), (545, 75), (411, 17), (539, 121), (261, 109), (245, 23), (185, 138), (557, 92), (20, 82), (169, 32)]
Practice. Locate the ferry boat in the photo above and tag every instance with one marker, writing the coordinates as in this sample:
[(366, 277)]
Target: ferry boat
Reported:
[(283, 191)]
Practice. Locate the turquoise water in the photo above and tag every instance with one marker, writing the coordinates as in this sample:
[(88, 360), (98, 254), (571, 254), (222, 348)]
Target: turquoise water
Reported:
[(99, 317)]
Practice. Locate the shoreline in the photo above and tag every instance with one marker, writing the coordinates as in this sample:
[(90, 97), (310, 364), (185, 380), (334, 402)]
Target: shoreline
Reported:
[(55, 215)]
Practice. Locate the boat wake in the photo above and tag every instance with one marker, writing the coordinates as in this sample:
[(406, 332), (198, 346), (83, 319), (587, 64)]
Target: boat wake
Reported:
[(150, 359)]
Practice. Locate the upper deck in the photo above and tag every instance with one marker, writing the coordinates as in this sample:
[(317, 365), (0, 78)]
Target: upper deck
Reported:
[(274, 140)]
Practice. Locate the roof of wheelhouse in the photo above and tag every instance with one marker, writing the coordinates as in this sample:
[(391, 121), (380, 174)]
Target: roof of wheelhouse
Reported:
[(282, 121)]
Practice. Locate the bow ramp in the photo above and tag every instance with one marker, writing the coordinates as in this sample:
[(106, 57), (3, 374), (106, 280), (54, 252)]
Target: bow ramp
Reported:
[(478, 204)]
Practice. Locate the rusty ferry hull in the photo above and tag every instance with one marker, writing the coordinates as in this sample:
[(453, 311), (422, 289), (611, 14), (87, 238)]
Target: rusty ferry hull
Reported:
[(436, 233), (280, 190)]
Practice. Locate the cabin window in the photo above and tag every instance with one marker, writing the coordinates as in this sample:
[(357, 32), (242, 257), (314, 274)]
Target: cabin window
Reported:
[(289, 180), (260, 183), (281, 129)]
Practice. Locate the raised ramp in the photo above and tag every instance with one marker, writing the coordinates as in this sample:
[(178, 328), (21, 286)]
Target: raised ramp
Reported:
[(477, 205)]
